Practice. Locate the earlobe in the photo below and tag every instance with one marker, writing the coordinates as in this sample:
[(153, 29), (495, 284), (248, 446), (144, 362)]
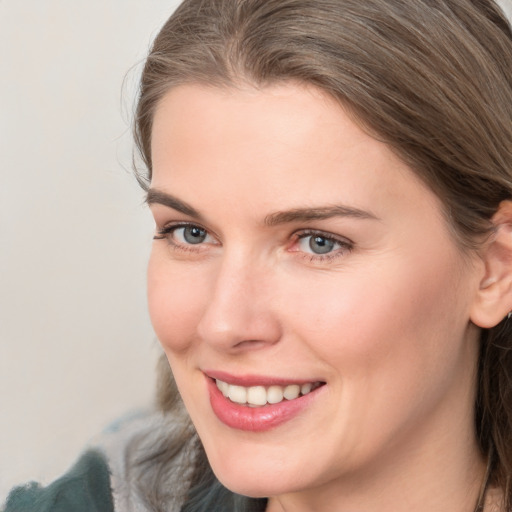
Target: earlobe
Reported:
[(493, 300)]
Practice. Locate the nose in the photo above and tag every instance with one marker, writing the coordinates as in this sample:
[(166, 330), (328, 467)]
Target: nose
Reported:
[(240, 311)]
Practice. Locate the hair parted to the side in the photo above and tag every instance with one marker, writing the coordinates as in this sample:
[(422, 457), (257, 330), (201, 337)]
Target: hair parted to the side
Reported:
[(431, 78)]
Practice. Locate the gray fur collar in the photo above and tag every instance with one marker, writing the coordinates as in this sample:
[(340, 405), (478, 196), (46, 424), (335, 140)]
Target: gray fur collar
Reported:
[(143, 477)]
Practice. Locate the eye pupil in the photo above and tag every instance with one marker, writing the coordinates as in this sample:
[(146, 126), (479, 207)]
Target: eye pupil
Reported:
[(320, 244), (194, 235)]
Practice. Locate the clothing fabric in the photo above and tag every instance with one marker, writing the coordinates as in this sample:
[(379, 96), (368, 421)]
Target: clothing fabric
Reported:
[(85, 488), (133, 467), (105, 477)]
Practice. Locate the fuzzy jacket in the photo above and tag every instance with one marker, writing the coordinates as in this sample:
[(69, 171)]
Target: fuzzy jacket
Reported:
[(85, 488), (107, 476)]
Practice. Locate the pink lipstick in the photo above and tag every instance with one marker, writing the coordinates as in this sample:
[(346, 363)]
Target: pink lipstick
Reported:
[(298, 395)]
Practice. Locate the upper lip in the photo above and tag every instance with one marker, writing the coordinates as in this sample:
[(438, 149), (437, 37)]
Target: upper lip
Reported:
[(249, 380)]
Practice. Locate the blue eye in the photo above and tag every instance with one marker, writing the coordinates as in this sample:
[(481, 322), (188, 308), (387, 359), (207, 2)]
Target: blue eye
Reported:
[(191, 234), (185, 234), (320, 244)]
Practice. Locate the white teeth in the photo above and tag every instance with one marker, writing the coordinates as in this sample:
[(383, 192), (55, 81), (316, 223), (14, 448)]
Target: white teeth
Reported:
[(238, 394), (224, 387), (275, 394), (306, 388), (292, 391), (257, 396)]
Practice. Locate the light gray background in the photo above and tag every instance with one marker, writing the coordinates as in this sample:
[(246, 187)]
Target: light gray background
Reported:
[(76, 345)]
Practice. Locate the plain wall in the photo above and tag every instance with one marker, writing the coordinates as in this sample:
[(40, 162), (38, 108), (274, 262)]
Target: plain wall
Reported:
[(76, 346), (507, 7)]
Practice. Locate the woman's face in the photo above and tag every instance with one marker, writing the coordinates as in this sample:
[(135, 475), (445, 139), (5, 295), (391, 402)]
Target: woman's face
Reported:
[(297, 255)]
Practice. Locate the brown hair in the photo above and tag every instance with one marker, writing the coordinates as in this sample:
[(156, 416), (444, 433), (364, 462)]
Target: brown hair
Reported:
[(431, 78)]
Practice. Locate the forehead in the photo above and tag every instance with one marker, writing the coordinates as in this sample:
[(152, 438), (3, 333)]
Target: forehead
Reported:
[(273, 146), (272, 116)]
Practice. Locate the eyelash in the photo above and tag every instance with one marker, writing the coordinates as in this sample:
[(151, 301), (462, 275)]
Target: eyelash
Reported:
[(345, 245), (168, 231)]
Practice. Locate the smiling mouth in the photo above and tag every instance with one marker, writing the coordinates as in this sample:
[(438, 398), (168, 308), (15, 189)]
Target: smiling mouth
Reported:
[(259, 396)]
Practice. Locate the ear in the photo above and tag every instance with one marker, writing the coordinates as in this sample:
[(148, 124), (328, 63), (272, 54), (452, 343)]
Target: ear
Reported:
[(493, 301)]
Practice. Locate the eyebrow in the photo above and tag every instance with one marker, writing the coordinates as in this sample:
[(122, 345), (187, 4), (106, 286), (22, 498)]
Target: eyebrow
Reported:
[(155, 196), (309, 214)]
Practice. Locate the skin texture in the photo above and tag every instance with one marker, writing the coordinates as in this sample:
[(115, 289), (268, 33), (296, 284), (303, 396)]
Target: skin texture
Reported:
[(383, 319)]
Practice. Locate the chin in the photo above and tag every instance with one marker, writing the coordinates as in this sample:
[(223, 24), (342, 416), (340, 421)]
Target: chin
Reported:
[(253, 483), (259, 474)]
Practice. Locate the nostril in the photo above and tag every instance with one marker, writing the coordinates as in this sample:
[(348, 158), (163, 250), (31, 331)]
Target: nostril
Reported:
[(250, 344)]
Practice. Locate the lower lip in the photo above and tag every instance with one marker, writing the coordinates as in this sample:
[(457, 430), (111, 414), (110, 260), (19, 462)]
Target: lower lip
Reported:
[(256, 419)]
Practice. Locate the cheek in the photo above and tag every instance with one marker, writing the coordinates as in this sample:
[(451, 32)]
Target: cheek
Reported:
[(174, 301), (386, 338), (401, 312)]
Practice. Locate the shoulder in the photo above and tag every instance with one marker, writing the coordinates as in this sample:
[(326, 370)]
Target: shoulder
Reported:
[(140, 460), (150, 456), (84, 488)]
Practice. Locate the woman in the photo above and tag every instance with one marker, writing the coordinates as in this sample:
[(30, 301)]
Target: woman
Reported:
[(331, 272)]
